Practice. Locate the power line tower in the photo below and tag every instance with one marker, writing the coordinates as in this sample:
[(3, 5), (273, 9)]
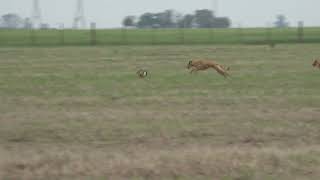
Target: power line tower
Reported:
[(36, 15), (79, 21), (215, 7)]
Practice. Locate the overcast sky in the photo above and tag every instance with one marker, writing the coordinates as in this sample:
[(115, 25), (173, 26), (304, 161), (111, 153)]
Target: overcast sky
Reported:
[(109, 13)]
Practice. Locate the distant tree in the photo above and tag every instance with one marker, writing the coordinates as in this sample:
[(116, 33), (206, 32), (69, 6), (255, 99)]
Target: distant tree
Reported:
[(171, 19), (129, 21), (176, 17), (11, 21), (281, 21), (187, 21), (148, 20), (44, 26), (204, 18), (167, 19), (27, 24), (221, 22)]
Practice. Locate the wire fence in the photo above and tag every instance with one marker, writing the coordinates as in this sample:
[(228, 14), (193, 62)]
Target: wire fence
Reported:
[(93, 37)]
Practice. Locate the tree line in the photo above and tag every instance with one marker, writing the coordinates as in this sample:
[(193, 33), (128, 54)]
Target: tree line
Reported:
[(167, 19), (203, 18), (14, 21)]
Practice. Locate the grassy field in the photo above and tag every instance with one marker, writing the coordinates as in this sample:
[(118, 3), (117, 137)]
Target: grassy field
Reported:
[(82, 113), (157, 36)]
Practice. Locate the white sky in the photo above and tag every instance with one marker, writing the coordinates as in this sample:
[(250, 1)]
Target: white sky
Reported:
[(109, 13)]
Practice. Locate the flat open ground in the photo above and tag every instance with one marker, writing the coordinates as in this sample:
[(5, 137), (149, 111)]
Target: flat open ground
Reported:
[(82, 113)]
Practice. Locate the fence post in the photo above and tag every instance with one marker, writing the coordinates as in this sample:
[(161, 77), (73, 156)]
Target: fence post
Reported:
[(33, 36), (93, 33), (240, 34), (153, 36), (269, 39), (182, 37), (62, 34), (124, 36), (300, 31), (212, 32)]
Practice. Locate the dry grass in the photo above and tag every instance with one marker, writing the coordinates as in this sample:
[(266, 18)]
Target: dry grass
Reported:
[(169, 162)]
